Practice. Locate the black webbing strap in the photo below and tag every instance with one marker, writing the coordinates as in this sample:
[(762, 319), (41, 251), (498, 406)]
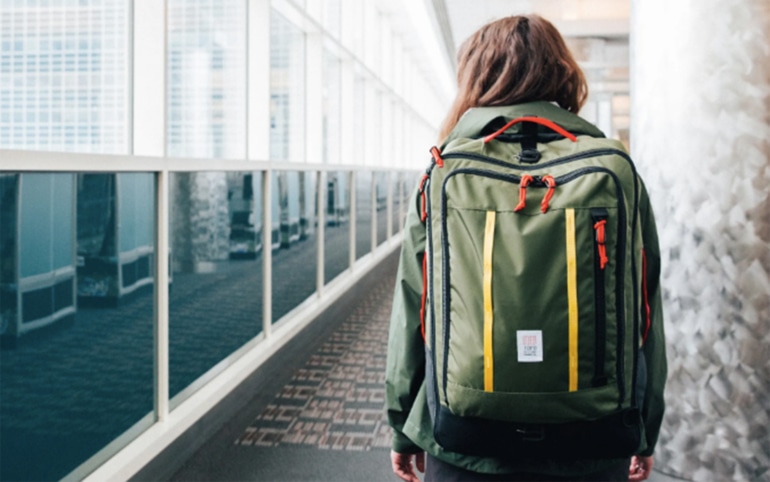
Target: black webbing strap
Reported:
[(529, 153)]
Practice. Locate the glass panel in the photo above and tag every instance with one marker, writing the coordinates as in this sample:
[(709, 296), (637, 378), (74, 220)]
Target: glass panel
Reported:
[(207, 78), (359, 118), (215, 304), (337, 235), (287, 90), (295, 248), (66, 85), (381, 190), (331, 108), (74, 376), (363, 213)]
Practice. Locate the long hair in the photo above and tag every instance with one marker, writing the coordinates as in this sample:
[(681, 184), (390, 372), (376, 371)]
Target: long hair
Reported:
[(514, 60)]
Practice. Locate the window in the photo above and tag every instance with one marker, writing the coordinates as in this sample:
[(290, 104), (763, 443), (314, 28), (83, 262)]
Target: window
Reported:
[(28, 28), (331, 108), (287, 90), (207, 60)]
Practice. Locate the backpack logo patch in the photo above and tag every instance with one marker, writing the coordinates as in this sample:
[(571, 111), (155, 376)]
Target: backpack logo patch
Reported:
[(529, 346)]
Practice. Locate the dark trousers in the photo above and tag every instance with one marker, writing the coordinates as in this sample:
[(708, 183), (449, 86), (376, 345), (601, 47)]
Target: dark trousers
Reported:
[(438, 471)]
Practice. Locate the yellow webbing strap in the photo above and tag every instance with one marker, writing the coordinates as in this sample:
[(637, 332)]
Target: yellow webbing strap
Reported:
[(489, 238), (572, 299)]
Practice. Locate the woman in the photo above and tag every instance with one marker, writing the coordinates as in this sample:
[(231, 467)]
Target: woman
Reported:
[(515, 61)]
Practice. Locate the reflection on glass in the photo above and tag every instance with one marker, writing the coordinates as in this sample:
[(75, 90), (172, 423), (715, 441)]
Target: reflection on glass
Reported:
[(115, 239), (363, 213), (207, 78), (65, 74), (287, 89), (215, 304), (74, 375), (381, 196), (295, 253), (337, 235)]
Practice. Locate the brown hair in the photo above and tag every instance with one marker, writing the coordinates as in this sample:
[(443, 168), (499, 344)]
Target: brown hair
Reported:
[(514, 60)]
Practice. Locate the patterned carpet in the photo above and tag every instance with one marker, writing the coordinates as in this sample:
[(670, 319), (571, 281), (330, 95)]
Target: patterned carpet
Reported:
[(336, 400)]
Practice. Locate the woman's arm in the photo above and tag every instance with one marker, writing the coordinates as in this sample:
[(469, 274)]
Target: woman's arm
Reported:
[(655, 343), (406, 351)]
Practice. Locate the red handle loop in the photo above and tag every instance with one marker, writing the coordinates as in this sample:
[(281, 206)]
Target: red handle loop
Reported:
[(525, 180), (537, 120), (551, 183)]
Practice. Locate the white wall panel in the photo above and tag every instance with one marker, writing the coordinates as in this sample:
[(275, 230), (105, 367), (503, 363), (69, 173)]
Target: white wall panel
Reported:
[(700, 135)]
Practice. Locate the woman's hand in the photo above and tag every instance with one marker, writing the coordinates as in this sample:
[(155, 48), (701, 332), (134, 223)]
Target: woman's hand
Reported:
[(640, 469), (402, 465)]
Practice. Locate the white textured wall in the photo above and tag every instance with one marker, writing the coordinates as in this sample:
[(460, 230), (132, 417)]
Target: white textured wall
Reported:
[(700, 134)]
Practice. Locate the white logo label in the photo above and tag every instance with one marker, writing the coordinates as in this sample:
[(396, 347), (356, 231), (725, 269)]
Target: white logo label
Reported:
[(530, 346)]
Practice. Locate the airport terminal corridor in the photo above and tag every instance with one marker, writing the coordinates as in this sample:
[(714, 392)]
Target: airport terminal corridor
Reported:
[(316, 410), (202, 204)]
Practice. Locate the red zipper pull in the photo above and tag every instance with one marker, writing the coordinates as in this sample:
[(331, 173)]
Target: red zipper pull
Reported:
[(551, 183), (600, 242), (525, 180), (437, 156)]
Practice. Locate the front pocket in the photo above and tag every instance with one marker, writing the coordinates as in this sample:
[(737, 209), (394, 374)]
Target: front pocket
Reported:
[(499, 293), (547, 328)]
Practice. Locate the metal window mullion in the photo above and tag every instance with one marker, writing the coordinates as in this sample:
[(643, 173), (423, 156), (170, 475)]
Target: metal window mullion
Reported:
[(116, 233), (161, 331), (17, 257), (267, 253), (148, 79), (352, 217), (258, 134), (389, 207), (148, 35), (401, 201), (314, 140), (373, 200), (321, 193), (74, 239)]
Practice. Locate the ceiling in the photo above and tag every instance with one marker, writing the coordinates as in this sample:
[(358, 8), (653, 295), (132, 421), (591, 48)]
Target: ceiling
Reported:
[(606, 19), (596, 31)]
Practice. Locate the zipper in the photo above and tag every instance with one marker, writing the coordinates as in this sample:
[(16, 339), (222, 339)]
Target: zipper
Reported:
[(599, 217), (619, 265), (530, 167)]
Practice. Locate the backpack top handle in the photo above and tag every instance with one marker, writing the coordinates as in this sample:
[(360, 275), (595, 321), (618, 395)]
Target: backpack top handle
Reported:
[(537, 120)]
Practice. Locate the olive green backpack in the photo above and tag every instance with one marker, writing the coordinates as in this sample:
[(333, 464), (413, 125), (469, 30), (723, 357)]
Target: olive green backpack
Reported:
[(531, 304)]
